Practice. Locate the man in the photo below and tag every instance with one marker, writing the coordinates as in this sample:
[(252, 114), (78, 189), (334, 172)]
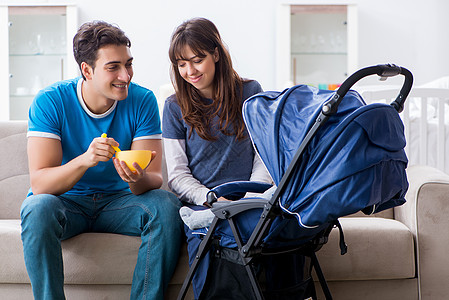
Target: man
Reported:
[(76, 184)]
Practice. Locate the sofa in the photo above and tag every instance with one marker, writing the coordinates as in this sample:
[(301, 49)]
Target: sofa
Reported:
[(397, 254)]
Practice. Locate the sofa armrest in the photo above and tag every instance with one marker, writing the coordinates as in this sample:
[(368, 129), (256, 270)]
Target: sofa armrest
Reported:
[(426, 214)]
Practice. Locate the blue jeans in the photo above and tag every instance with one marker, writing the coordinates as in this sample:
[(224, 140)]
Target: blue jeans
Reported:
[(48, 219)]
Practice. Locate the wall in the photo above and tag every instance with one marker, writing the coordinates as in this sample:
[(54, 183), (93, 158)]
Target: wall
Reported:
[(149, 24), (411, 33)]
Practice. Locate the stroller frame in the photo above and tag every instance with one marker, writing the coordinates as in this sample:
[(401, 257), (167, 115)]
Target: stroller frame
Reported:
[(226, 211)]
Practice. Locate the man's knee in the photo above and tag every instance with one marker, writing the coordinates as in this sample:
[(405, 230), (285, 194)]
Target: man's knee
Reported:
[(40, 206), (165, 207), (164, 200)]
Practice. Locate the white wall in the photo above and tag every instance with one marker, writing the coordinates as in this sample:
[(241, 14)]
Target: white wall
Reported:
[(247, 29), (411, 33)]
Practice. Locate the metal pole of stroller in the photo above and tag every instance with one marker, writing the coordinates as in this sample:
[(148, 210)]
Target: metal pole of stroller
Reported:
[(320, 275), (202, 250)]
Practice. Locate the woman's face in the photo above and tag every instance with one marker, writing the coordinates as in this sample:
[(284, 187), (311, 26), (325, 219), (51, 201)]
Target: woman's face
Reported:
[(198, 71)]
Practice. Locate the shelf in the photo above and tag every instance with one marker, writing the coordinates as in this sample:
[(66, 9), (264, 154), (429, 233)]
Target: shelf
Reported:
[(22, 96), (38, 55), (319, 53)]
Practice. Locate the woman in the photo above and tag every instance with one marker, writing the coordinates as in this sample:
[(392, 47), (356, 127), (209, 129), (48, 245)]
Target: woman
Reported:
[(205, 139)]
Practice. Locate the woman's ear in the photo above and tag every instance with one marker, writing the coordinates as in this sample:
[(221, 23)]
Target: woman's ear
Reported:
[(86, 70), (216, 55)]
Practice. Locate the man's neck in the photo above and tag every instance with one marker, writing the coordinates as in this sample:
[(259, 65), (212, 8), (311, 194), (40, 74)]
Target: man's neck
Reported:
[(94, 102)]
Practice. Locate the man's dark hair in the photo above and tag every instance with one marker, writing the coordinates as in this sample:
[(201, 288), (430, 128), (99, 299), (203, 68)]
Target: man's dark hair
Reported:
[(91, 36)]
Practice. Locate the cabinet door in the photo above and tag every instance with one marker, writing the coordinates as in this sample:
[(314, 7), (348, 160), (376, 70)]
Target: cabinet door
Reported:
[(39, 53), (317, 44)]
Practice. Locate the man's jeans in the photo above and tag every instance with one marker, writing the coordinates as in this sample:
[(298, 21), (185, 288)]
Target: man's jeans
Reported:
[(48, 219)]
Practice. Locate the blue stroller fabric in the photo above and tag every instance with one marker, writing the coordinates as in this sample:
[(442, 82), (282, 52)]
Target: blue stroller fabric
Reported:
[(356, 161)]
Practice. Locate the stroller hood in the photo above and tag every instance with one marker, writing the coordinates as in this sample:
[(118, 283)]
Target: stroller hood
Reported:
[(355, 161)]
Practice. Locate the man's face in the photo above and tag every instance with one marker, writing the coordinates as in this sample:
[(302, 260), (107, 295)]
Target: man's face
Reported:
[(113, 72)]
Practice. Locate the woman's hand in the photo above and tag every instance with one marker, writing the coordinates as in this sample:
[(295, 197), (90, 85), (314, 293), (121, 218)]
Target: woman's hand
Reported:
[(219, 199), (223, 199)]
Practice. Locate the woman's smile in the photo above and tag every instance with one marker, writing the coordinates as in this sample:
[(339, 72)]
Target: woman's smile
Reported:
[(195, 79)]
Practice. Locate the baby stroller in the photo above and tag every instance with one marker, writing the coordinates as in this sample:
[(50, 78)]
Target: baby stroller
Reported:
[(330, 155)]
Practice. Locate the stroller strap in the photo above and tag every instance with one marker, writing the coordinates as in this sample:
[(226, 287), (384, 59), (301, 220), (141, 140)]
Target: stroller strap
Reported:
[(343, 246)]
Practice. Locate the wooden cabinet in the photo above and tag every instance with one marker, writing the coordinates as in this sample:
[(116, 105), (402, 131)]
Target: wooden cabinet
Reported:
[(36, 48), (316, 43)]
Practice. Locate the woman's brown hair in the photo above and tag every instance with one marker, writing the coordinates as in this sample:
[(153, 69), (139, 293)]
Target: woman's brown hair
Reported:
[(202, 36)]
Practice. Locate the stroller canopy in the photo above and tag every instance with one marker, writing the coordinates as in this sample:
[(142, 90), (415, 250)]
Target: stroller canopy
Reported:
[(355, 161)]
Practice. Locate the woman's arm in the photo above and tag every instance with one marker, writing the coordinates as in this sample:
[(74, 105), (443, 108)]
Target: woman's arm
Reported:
[(180, 179), (259, 173)]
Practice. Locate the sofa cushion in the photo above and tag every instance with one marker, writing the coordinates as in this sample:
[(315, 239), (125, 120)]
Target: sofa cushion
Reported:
[(11, 253), (89, 258), (12, 198), (378, 248), (14, 178)]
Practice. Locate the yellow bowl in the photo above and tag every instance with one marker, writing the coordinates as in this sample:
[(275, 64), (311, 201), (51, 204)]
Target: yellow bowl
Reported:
[(141, 157)]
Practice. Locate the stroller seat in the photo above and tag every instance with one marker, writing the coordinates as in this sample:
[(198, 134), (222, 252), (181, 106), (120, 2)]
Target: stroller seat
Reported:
[(329, 154)]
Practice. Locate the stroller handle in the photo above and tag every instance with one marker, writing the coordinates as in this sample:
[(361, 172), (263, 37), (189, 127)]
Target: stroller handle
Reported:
[(384, 71)]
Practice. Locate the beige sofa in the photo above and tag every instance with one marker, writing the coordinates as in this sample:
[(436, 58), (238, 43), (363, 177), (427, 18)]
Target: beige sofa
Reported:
[(400, 254)]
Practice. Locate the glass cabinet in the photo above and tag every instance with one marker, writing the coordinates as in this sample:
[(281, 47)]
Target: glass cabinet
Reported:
[(37, 50), (317, 44)]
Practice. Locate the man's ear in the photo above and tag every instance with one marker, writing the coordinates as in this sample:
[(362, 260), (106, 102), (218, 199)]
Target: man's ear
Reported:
[(87, 70), (216, 55)]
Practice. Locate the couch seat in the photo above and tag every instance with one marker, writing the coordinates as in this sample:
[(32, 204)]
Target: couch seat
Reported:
[(378, 248), (89, 258)]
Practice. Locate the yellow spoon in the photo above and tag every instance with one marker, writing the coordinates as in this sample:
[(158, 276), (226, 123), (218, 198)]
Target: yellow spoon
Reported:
[(117, 149)]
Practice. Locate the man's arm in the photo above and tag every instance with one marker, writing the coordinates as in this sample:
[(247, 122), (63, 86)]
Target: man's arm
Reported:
[(47, 176), (142, 181)]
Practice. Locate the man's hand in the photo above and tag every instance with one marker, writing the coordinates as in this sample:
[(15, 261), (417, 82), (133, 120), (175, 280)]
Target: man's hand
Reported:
[(100, 149), (143, 180), (131, 176)]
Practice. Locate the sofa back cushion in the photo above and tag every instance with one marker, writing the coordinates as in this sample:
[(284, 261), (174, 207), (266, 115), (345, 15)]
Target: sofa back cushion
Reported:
[(14, 178)]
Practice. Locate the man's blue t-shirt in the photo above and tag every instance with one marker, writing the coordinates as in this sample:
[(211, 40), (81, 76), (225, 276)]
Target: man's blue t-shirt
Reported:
[(59, 112), (212, 162)]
